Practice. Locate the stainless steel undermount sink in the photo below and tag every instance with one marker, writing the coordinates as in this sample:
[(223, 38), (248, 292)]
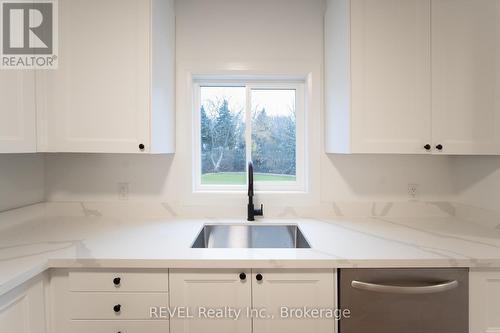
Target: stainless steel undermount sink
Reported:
[(276, 236)]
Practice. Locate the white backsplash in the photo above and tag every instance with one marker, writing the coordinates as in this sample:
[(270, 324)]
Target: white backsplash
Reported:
[(21, 180)]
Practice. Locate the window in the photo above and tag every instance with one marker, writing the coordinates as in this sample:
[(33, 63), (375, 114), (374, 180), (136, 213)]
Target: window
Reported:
[(238, 122)]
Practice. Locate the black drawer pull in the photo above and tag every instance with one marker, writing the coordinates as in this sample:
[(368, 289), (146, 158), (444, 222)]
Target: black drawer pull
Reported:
[(117, 308), (117, 281)]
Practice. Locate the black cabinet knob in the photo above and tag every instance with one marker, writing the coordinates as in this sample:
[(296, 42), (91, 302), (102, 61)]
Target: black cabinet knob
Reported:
[(117, 308), (141, 146), (427, 147), (243, 276), (259, 277), (117, 281), (439, 147)]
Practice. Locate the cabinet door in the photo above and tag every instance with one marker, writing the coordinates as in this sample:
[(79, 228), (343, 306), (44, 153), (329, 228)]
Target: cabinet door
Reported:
[(17, 111), (390, 73), (23, 309), (466, 76), (484, 299), (288, 290), (98, 99), (199, 290)]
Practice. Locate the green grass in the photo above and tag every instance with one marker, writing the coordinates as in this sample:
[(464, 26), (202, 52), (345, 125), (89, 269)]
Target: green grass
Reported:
[(239, 178)]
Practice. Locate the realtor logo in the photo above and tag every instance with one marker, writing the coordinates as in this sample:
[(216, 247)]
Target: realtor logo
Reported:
[(29, 34)]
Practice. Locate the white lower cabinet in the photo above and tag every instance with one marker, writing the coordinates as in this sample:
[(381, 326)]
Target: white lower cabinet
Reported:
[(484, 301), (23, 310), (154, 281), (259, 294), (286, 294), (97, 306), (109, 301), (199, 290), (199, 301)]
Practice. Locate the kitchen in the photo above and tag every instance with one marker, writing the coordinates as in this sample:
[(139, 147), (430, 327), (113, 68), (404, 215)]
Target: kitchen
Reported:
[(118, 193)]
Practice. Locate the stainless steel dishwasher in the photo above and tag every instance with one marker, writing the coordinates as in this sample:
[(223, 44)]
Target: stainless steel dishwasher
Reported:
[(404, 300)]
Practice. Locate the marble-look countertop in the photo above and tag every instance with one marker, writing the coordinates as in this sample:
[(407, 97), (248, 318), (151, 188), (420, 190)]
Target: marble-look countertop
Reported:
[(38, 242)]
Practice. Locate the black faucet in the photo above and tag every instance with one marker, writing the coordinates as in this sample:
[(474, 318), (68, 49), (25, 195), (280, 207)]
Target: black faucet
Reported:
[(252, 212)]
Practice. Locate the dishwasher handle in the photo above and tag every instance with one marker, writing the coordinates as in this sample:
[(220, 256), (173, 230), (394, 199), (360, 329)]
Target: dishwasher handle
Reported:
[(405, 290)]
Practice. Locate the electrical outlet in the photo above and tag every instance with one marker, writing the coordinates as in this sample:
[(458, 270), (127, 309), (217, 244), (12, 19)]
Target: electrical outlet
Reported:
[(123, 191), (413, 190)]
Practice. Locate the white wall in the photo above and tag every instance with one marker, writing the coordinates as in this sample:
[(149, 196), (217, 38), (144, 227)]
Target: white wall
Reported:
[(477, 181), (385, 177), (21, 180), (235, 36), (248, 31), (95, 177)]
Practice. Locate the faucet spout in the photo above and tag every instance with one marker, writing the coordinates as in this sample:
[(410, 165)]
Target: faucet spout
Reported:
[(252, 212)]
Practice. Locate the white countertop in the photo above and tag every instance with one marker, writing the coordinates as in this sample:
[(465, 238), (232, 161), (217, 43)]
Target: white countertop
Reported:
[(35, 244)]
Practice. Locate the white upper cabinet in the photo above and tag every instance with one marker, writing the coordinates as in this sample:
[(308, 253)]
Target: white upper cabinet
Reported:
[(114, 89), (378, 63), (413, 76), (466, 76), (17, 111)]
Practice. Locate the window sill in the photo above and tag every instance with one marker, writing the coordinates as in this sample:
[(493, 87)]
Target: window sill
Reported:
[(244, 192)]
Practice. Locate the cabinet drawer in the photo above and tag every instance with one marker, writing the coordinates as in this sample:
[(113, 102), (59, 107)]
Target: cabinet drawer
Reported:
[(125, 281), (123, 326), (102, 305)]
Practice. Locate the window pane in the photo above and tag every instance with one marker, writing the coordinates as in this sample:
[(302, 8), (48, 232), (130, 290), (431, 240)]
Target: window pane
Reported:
[(274, 135), (222, 116)]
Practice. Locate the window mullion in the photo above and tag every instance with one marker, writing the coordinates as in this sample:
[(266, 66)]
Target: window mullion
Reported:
[(197, 137), (248, 126)]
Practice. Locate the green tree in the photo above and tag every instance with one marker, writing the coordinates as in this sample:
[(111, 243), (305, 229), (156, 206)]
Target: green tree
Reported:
[(221, 135), (274, 143)]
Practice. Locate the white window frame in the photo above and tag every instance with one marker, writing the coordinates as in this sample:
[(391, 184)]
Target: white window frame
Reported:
[(300, 185)]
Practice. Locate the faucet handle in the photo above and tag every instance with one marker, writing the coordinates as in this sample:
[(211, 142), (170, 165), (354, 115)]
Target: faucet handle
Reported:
[(260, 212)]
